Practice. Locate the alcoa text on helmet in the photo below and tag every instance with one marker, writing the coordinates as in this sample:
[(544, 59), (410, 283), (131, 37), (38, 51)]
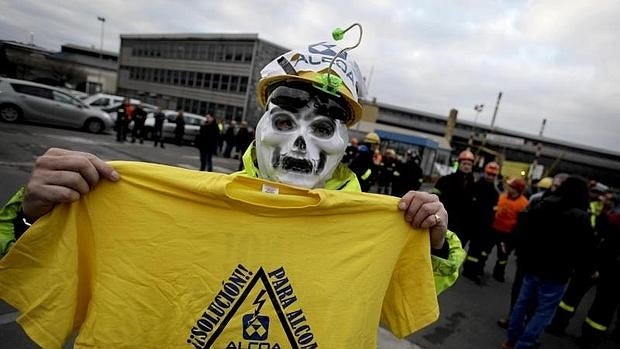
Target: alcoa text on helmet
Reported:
[(310, 65), (466, 155)]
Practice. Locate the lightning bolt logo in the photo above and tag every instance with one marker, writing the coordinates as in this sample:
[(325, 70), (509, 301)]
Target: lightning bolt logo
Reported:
[(259, 302)]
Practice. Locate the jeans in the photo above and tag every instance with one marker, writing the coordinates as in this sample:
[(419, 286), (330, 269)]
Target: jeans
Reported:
[(206, 160), (547, 295)]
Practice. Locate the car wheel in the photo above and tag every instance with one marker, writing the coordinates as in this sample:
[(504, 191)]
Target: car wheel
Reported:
[(94, 125), (10, 113)]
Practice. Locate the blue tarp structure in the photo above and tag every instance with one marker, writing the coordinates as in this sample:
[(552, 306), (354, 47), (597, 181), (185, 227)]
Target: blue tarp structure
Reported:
[(407, 139)]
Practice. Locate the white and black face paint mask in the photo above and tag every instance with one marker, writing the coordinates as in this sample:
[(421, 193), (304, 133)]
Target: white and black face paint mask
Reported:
[(301, 138)]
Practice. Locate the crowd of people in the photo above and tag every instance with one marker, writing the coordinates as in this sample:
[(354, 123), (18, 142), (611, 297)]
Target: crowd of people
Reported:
[(566, 238), (215, 137)]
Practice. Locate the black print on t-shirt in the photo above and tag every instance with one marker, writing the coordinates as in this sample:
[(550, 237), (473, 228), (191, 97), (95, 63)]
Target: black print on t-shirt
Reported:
[(273, 287)]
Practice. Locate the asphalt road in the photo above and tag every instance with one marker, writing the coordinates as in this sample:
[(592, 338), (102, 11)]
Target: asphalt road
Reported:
[(468, 311)]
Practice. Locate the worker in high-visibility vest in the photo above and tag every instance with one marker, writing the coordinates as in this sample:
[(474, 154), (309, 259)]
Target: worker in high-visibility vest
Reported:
[(363, 164), (486, 195), (455, 192)]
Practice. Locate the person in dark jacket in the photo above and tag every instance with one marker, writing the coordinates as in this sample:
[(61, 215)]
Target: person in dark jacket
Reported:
[(606, 300), (124, 114), (229, 138), (553, 240), (206, 141), (179, 129), (455, 192), (387, 167), (518, 276), (158, 128), (351, 151), (139, 117), (242, 139), (408, 174), (485, 197)]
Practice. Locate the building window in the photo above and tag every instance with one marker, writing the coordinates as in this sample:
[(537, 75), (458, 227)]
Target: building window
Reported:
[(234, 83), (238, 113), (203, 108), (168, 76), (224, 82), (175, 77), (229, 111), (228, 57), (132, 73), (183, 81), (195, 106), (211, 108), (202, 52), (207, 83), (215, 83), (218, 53), (247, 55), (190, 79), (239, 53), (198, 79), (243, 84)]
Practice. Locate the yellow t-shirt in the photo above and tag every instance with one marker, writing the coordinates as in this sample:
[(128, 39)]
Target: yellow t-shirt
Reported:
[(172, 258)]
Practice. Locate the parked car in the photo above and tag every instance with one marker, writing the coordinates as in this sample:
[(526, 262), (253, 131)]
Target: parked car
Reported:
[(105, 101), (192, 125), (22, 100)]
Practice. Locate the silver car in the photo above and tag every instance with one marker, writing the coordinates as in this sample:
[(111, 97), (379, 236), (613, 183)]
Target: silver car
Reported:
[(28, 101), (192, 125)]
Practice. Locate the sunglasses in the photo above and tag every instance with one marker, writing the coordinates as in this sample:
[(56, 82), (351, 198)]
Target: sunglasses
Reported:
[(294, 96)]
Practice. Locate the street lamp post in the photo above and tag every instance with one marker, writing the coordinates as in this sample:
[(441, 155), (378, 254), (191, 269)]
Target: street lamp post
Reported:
[(478, 108), (102, 20)]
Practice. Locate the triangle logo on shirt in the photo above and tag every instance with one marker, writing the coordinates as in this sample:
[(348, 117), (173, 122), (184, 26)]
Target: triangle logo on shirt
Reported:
[(252, 311)]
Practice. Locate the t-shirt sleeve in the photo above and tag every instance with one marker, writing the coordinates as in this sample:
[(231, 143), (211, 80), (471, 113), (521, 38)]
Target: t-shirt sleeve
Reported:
[(46, 275), (410, 302)]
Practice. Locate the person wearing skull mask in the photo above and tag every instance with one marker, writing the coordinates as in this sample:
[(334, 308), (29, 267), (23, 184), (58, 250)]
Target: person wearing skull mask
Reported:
[(300, 140)]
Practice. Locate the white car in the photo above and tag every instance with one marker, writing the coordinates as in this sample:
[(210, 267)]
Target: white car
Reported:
[(192, 125), (22, 100), (105, 101)]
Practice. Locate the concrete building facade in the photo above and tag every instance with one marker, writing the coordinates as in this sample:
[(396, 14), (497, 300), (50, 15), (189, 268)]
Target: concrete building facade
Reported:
[(198, 73)]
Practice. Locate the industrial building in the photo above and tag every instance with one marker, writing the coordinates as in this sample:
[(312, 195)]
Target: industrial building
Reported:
[(199, 73)]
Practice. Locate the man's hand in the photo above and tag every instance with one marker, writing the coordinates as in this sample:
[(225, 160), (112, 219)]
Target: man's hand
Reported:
[(424, 210), (60, 176)]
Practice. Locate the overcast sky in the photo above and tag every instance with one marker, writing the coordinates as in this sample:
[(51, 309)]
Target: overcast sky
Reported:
[(551, 59)]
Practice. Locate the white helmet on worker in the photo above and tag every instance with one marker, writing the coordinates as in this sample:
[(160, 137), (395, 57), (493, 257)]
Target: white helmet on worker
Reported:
[(337, 77), (311, 95)]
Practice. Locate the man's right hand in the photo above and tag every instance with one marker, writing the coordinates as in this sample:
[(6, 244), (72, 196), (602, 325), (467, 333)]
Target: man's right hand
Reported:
[(61, 176)]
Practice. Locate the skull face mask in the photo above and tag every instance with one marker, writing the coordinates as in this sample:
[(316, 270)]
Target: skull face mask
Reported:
[(301, 138)]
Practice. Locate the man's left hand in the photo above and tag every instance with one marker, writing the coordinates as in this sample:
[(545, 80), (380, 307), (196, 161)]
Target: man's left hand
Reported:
[(424, 210)]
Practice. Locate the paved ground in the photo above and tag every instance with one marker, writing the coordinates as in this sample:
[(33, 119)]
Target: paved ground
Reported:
[(468, 311)]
